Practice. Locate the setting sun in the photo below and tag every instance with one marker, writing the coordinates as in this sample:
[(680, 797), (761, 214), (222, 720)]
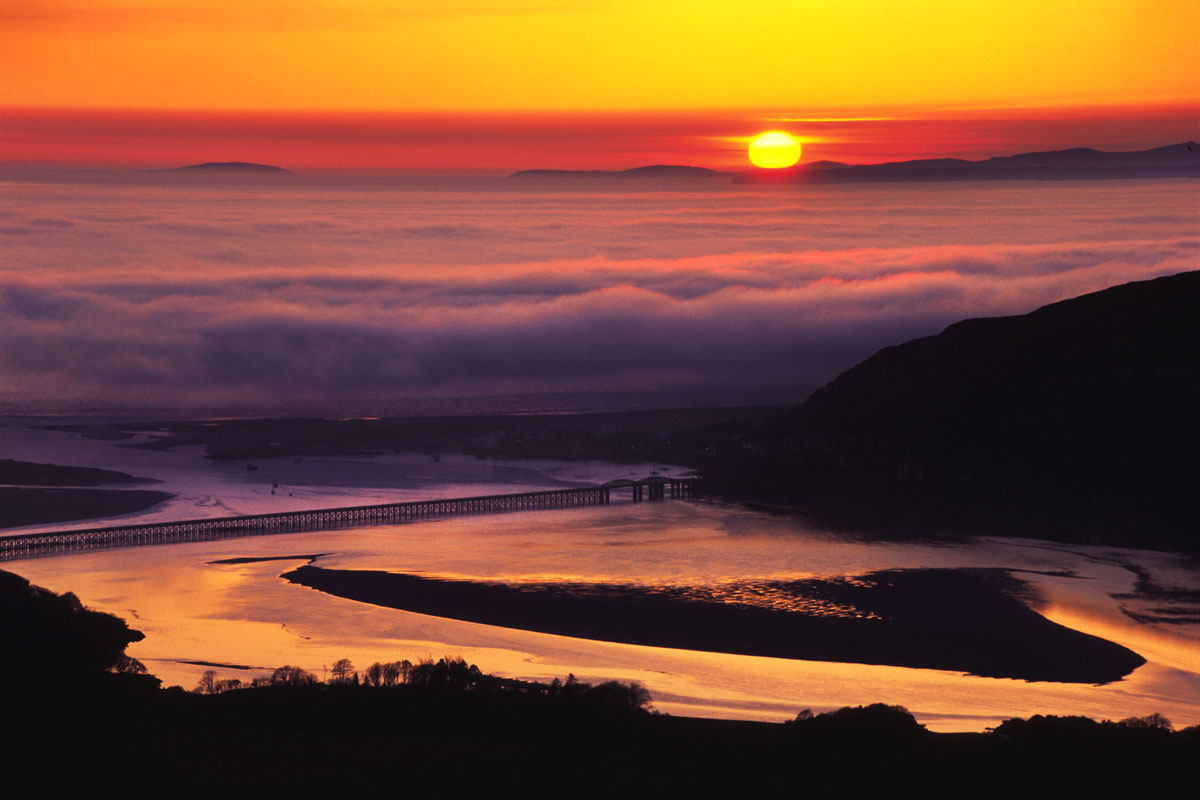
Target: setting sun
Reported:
[(774, 150)]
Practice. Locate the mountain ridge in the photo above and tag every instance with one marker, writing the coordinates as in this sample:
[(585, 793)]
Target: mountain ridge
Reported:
[(1180, 160)]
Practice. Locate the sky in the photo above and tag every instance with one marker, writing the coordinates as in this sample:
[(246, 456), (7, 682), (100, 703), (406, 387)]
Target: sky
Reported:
[(495, 85), (337, 294)]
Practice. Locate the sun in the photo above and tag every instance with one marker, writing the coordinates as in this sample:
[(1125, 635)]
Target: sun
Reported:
[(774, 150)]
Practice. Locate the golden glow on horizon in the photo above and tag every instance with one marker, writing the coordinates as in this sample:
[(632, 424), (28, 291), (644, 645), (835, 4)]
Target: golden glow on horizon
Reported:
[(774, 150), (594, 54), (499, 143)]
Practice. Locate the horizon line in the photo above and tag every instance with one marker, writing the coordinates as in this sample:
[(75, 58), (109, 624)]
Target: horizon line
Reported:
[(233, 163)]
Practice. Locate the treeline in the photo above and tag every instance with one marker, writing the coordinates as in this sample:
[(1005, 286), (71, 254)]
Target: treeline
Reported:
[(896, 722), (451, 673), (58, 644)]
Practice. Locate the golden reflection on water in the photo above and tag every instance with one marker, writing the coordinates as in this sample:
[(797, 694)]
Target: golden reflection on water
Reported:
[(244, 615), (770, 595), (1155, 644)]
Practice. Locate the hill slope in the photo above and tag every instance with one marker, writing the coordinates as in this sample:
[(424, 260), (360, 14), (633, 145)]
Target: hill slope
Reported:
[(1080, 411)]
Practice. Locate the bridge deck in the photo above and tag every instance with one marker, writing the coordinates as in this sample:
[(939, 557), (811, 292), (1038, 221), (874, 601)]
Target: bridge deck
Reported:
[(40, 544)]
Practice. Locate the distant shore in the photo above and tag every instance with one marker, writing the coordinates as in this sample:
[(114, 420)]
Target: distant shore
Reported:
[(33, 493), (617, 436), (40, 506)]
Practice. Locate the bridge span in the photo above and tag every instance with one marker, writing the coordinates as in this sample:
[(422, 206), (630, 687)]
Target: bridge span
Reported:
[(30, 545)]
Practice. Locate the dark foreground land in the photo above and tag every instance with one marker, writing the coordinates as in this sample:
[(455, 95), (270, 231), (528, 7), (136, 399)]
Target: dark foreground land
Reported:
[(968, 620), (81, 719), (458, 743)]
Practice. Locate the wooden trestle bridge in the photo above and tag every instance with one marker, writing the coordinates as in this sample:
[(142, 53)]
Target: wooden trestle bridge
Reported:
[(29, 545)]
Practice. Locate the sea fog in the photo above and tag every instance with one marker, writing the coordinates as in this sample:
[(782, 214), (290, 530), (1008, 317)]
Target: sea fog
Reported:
[(340, 296)]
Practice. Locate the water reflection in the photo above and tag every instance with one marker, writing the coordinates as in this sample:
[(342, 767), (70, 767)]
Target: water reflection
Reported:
[(196, 612)]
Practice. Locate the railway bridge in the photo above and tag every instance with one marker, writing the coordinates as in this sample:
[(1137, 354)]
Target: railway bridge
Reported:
[(29, 545)]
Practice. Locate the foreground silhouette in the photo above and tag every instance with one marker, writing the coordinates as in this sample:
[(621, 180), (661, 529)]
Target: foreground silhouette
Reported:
[(93, 725)]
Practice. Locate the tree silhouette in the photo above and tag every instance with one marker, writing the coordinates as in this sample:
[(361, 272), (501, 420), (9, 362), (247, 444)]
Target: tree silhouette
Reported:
[(125, 665), (391, 673), (450, 672), (207, 683), (53, 639), (374, 675), (616, 696), (1155, 721), (342, 670), (292, 676)]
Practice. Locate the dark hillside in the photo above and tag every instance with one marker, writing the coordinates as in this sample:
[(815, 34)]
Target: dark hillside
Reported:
[(1082, 410)]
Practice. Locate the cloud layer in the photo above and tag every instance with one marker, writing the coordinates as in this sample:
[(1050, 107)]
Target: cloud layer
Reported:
[(340, 299)]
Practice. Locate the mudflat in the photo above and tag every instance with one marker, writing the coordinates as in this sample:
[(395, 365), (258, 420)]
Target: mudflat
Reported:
[(29, 473), (969, 620), (39, 506)]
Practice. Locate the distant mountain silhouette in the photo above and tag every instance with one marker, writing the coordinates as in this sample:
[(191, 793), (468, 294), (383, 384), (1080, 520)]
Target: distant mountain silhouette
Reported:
[(653, 171), (1083, 412), (228, 167), (1173, 161)]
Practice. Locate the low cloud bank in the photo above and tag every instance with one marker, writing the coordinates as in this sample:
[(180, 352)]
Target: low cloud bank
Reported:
[(341, 301)]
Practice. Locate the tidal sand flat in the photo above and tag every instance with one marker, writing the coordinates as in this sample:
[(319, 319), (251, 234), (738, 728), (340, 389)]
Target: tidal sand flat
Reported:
[(39, 506), (967, 620), (34, 493), (30, 473)]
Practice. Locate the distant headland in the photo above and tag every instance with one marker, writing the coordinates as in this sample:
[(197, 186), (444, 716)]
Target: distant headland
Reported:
[(1180, 160), (224, 167), (671, 171), (1079, 163)]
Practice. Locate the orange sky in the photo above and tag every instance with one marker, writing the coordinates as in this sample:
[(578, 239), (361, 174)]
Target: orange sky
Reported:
[(496, 143), (625, 76)]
